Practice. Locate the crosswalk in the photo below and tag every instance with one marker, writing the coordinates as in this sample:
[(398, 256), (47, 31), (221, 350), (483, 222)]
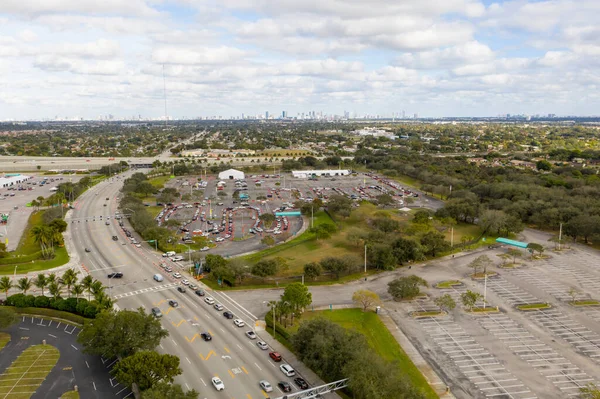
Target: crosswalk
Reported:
[(146, 290)]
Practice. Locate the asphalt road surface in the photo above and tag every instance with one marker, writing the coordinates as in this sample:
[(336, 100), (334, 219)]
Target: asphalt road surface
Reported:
[(231, 355)]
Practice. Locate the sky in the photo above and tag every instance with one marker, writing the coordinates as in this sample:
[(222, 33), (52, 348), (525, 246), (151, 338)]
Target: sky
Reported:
[(90, 58)]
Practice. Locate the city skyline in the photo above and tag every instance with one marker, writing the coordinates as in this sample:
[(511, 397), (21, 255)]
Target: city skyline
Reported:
[(69, 59)]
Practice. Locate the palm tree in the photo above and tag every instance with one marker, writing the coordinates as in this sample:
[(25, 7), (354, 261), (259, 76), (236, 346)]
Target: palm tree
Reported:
[(69, 278), (104, 300), (97, 289), (41, 282), (5, 285), (24, 284), (77, 290), (54, 289), (42, 235), (87, 283)]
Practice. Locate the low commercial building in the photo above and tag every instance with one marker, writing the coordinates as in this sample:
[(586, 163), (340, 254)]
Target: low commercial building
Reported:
[(231, 174), (12, 179), (303, 174)]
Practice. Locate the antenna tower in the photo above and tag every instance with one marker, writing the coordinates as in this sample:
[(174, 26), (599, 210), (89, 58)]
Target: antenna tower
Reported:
[(165, 94)]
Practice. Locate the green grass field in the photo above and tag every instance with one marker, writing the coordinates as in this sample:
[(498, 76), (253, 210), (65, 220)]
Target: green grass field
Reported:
[(4, 339), (70, 395), (28, 371), (447, 284), (159, 182), (154, 210), (534, 306), (379, 338)]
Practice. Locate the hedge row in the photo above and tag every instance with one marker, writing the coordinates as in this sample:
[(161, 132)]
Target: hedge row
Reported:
[(81, 306), (279, 328), (53, 313), (21, 259)]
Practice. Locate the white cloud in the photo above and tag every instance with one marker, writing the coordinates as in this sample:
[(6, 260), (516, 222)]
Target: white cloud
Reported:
[(466, 53), (197, 56), (91, 7)]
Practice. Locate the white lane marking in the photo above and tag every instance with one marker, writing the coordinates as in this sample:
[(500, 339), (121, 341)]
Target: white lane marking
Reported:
[(93, 383), (221, 329), (188, 361), (240, 346), (174, 342), (53, 336), (203, 382), (74, 347), (238, 305), (257, 366), (272, 364), (187, 386), (161, 347), (88, 366)]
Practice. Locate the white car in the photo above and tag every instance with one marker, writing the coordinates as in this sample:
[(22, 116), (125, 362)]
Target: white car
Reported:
[(204, 249), (218, 384), (185, 282), (209, 300), (239, 322), (287, 370), (176, 275), (266, 386), (227, 235), (219, 239), (251, 334), (138, 245), (219, 307), (262, 345)]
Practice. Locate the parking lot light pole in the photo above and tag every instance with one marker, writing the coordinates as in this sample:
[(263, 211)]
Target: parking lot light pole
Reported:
[(15, 275)]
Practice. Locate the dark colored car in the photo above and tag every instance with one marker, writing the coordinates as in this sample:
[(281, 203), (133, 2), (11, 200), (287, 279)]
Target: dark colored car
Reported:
[(181, 289), (88, 250), (115, 275), (200, 292), (228, 315), (275, 356), (301, 383), (115, 238), (206, 336), (285, 386), (173, 303)]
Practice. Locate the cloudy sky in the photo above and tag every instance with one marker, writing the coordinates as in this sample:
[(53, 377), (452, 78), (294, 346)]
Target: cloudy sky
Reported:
[(87, 58)]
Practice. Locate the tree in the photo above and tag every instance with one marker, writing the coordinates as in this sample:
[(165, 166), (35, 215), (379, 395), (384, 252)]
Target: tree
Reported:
[(433, 242), (58, 225), (267, 219), (573, 293), (366, 299), (405, 287), (264, 268), (542, 164), (535, 247), (5, 285), (162, 390), (212, 261), (8, 317), (87, 283), (24, 284), (445, 302), (146, 368), (222, 272), (323, 231), (481, 262), (312, 270), (113, 334), (54, 289), (470, 298), (69, 278), (268, 240), (590, 391), (492, 220), (41, 282), (355, 236), (340, 205), (514, 253), (336, 266), (385, 200), (406, 249), (77, 290), (298, 296), (238, 269)]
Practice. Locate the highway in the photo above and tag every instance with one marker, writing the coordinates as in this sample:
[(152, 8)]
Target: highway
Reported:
[(231, 356)]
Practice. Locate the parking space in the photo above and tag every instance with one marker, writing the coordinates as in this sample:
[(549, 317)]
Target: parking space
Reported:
[(509, 292), (535, 276), (563, 374)]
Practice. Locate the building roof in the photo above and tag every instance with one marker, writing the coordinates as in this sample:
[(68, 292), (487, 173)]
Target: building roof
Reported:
[(231, 171)]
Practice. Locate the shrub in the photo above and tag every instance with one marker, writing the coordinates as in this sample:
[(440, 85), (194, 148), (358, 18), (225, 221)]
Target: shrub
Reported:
[(42, 302)]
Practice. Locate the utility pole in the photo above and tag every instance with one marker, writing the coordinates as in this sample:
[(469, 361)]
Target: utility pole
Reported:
[(484, 289), (452, 235), (559, 236), (365, 258), (312, 217)]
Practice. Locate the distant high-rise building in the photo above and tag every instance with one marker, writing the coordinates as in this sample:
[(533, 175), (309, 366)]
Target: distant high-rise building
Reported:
[(416, 116), (551, 115), (403, 114), (283, 114), (266, 114)]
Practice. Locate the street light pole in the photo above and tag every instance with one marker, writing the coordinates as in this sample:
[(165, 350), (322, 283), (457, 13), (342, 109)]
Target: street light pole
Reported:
[(15, 275), (365, 258)]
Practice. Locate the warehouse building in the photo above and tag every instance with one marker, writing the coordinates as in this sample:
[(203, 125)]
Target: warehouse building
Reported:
[(231, 174), (303, 174), (12, 179)]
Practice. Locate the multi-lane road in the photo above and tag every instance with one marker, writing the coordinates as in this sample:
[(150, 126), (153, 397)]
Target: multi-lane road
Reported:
[(231, 356)]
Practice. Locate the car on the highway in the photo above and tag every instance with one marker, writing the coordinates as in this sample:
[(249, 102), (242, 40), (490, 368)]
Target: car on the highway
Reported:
[(228, 315), (239, 322), (302, 384), (88, 250), (284, 386), (204, 249), (107, 223), (275, 356), (200, 292), (209, 300), (251, 334), (158, 277), (156, 312), (181, 289), (177, 275), (287, 370), (115, 275), (185, 282), (115, 238), (173, 303), (206, 336), (266, 386), (169, 269), (219, 307), (193, 286), (218, 384), (219, 239), (262, 345)]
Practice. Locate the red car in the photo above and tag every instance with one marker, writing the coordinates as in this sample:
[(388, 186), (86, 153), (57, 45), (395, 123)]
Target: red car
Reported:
[(275, 356)]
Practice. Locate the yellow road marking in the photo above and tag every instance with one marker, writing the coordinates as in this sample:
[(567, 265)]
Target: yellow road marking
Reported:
[(210, 332), (245, 371), (68, 368), (168, 310), (226, 349), (231, 374), (195, 318), (207, 356), (264, 394), (160, 302), (248, 396), (193, 338), (178, 324)]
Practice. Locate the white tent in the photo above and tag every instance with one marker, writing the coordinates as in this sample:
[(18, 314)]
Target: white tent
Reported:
[(231, 174), (405, 209)]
